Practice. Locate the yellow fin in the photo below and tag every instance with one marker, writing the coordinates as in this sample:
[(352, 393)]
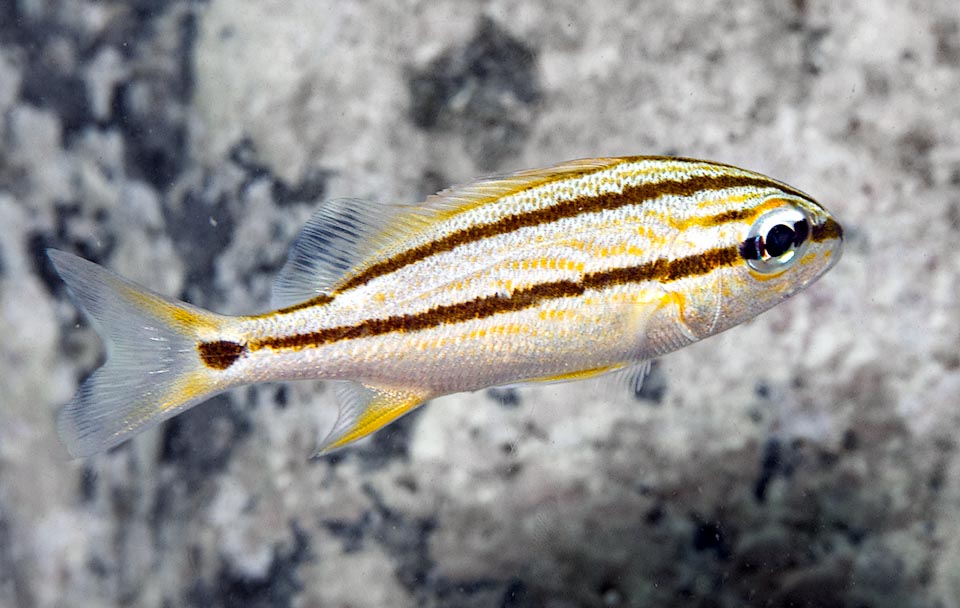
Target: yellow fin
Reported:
[(365, 409), (572, 376), (495, 186), (154, 368)]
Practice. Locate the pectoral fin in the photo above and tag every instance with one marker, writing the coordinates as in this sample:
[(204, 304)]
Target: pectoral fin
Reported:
[(632, 376), (365, 409)]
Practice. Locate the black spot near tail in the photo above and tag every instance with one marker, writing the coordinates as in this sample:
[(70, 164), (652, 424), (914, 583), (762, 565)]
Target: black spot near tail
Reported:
[(220, 354)]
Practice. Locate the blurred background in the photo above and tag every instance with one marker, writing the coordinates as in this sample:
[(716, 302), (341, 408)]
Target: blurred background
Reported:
[(806, 458)]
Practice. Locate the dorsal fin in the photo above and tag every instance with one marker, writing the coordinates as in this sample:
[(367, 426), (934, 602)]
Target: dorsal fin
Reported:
[(346, 235), (331, 242), (467, 195), (410, 219), (339, 237)]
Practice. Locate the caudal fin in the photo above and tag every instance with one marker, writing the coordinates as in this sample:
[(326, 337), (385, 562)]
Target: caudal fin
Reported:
[(153, 369)]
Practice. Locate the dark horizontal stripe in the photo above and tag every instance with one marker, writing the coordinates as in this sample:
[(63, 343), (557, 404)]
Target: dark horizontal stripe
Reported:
[(630, 195), (734, 215), (487, 306), (318, 300)]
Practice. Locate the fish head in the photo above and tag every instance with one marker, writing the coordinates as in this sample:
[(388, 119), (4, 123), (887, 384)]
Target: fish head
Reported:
[(756, 255)]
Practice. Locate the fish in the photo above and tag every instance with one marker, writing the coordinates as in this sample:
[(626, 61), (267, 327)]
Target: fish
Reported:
[(589, 267)]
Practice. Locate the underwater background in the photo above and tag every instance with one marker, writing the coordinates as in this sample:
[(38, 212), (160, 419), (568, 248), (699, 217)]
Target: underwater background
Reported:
[(807, 458)]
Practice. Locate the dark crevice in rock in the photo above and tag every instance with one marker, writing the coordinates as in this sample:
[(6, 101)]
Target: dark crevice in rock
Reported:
[(88, 485), (95, 245), (56, 54), (277, 589), (200, 441), (777, 460), (472, 592), (202, 220), (350, 533), (769, 468), (244, 155), (202, 226), (37, 244), (515, 595), (311, 188), (281, 398), (47, 86), (710, 536), (12, 28), (654, 386), (406, 539), (505, 397), (150, 109), (485, 91), (813, 55), (155, 141)]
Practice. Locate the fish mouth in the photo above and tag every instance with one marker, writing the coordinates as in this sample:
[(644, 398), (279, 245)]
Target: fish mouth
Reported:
[(829, 229), (829, 233)]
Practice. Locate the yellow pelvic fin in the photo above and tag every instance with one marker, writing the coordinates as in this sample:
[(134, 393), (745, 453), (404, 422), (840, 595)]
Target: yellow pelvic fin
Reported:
[(365, 409)]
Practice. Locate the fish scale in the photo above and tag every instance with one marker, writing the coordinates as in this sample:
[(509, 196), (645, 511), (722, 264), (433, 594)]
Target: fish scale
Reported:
[(541, 276)]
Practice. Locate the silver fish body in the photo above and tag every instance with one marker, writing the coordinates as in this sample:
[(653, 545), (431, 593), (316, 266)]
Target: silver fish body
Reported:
[(546, 275)]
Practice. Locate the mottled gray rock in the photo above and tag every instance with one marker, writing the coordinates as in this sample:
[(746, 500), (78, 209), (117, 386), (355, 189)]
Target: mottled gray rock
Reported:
[(807, 458)]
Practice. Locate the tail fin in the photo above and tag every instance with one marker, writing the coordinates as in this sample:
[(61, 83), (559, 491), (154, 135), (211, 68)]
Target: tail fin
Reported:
[(153, 369)]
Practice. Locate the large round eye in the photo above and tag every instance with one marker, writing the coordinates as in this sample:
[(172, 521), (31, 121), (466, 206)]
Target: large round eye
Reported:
[(776, 240)]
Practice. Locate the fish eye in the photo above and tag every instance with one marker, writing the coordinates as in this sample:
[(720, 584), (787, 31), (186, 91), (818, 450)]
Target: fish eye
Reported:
[(776, 240)]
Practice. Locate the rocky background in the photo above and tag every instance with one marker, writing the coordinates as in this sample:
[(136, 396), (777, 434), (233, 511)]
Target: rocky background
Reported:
[(808, 458)]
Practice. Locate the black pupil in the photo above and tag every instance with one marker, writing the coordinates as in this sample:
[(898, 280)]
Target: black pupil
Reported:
[(779, 240)]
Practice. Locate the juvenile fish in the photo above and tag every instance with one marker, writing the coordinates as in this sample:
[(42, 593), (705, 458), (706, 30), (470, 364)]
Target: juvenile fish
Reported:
[(555, 274)]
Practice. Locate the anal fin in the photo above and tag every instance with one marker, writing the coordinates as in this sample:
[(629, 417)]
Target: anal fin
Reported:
[(564, 377), (365, 409)]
